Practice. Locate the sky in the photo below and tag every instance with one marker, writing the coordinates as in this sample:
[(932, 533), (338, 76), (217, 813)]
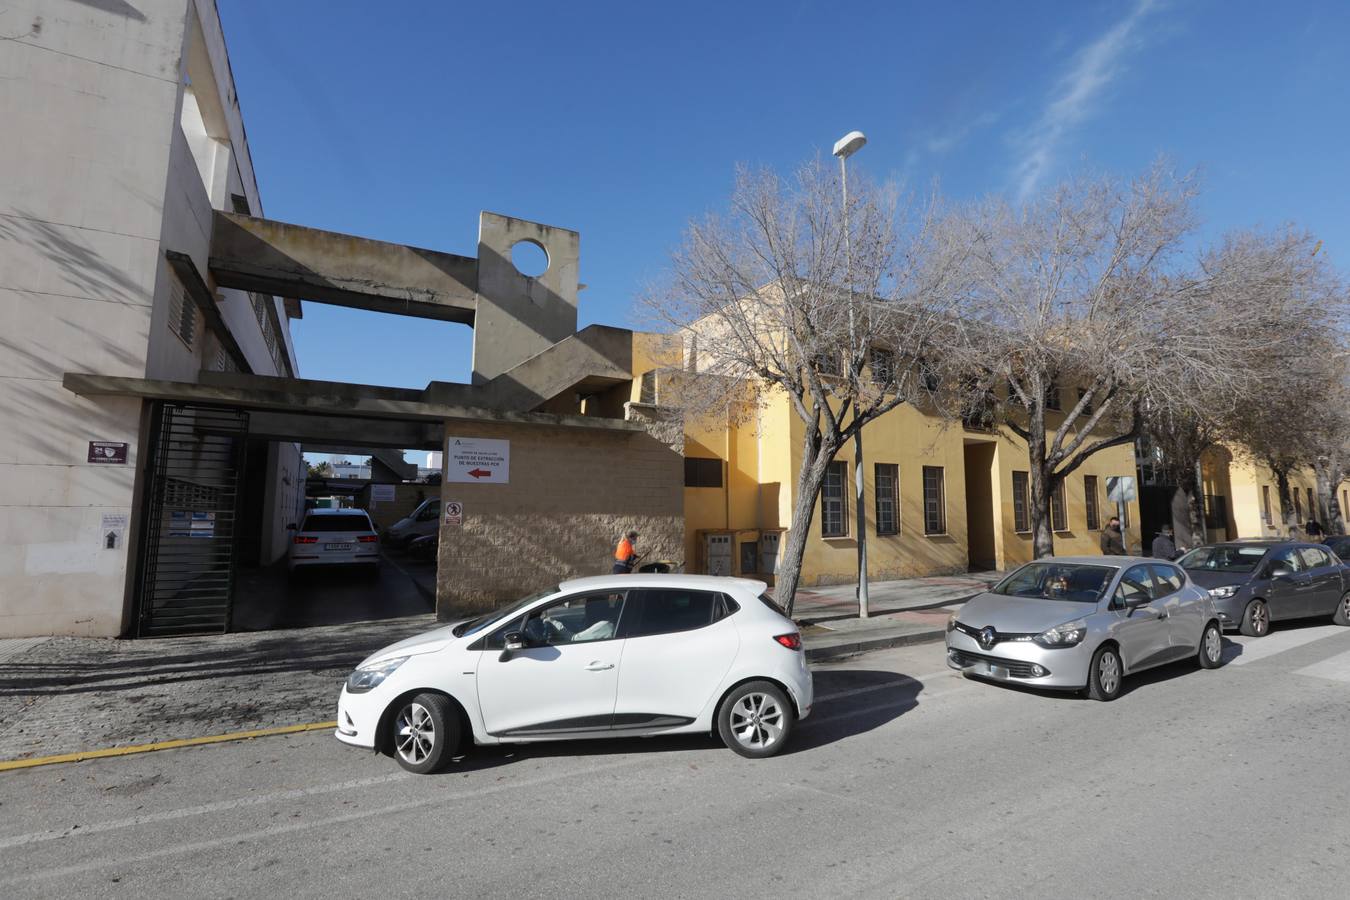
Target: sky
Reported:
[(401, 121)]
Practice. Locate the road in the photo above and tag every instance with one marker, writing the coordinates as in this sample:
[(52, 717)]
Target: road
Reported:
[(908, 781)]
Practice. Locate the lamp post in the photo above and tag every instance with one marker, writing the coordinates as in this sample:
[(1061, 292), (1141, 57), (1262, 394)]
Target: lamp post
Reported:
[(845, 147)]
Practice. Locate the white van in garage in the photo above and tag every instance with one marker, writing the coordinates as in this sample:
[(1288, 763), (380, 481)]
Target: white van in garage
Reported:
[(424, 520)]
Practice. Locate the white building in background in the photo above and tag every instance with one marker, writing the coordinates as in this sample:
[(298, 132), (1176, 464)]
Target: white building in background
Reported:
[(121, 134)]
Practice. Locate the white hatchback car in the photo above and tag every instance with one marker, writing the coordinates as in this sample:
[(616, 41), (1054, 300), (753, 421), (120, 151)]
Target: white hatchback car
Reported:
[(334, 537), (610, 656)]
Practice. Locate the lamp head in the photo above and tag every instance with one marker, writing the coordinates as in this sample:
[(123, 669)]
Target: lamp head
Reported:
[(849, 144)]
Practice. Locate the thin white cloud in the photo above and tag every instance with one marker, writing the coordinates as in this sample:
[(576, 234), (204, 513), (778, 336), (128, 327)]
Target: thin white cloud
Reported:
[(1076, 95), (947, 140)]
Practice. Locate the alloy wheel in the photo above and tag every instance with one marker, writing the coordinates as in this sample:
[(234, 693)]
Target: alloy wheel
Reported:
[(414, 733), (1108, 673), (1213, 644), (1259, 621), (757, 721)]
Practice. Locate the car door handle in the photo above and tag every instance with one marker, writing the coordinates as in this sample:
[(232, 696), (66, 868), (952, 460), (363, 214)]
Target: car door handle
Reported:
[(598, 666)]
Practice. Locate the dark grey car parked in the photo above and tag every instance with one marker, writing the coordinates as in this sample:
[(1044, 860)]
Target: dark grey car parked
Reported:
[(1254, 583)]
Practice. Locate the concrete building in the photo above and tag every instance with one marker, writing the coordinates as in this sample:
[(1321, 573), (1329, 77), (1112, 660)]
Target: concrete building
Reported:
[(122, 137)]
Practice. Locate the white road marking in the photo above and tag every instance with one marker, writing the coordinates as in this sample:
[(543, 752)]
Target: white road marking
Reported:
[(130, 861), (1337, 668), (1255, 649)]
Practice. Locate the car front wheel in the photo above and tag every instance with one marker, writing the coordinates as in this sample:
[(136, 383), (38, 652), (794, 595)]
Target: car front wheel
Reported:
[(425, 733), (756, 719), (1106, 676), (1255, 619), (1211, 647)]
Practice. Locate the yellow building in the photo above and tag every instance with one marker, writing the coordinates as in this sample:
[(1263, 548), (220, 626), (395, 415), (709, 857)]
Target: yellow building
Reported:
[(940, 498), (1255, 499)]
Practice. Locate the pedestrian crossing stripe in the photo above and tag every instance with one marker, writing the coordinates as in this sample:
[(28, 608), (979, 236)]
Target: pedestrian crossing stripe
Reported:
[(1256, 649), (1335, 668)]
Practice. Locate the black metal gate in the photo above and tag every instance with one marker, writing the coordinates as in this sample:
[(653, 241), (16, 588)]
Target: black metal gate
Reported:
[(191, 512)]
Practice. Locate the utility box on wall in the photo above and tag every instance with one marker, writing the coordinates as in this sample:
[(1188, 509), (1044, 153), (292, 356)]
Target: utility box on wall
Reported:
[(749, 553)]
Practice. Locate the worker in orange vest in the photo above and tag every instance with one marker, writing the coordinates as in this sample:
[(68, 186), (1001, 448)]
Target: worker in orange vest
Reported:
[(625, 555)]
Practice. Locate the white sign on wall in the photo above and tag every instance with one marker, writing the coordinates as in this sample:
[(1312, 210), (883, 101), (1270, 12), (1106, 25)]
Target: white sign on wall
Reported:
[(382, 492), (477, 461), (454, 512)]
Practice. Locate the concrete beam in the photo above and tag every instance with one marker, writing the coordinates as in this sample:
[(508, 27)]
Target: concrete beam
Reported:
[(344, 434), (300, 398), (285, 260)]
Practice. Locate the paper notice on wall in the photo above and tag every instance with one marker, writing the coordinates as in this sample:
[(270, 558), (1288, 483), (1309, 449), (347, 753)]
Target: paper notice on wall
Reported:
[(477, 460), (381, 493), (112, 531)]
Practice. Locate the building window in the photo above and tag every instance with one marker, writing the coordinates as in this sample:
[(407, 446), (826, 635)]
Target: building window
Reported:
[(934, 501), (1312, 505), (1090, 501), (1059, 515), (928, 377), (702, 472), (1298, 506), (887, 489), (829, 364), (182, 313), (648, 389), (1216, 511), (1052, 396), (1021, 502), (834, 501), (883, 367), (1265, 503)]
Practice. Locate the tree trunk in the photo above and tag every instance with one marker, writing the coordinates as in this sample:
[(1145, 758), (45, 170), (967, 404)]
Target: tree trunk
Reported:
[(816, 455), (1328, 471), (1286, 498), (1195, 523), (1042, 486)]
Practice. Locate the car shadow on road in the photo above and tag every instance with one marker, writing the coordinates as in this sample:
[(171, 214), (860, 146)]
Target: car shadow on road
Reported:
[(848, 702)]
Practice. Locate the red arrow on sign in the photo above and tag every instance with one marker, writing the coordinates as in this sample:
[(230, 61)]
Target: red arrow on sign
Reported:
[(480, 473)]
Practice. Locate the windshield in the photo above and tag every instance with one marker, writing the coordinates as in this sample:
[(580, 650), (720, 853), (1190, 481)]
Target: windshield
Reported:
[(475, 625), (1057, 581), (1223, 558)]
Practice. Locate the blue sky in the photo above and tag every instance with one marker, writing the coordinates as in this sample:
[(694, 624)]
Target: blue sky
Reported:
[(400, 121)]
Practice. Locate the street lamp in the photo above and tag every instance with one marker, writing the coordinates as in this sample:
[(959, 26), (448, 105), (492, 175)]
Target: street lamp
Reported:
[(845, 147)]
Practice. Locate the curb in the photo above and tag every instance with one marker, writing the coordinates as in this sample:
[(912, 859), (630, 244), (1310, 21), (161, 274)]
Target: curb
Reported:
[(864, 644)]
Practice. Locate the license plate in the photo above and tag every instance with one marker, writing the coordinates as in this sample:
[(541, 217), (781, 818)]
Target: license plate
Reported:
[(997, 671), (337, 546)]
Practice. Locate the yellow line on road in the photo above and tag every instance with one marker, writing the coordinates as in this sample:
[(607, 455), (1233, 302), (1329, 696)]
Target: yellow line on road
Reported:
[(161, 745)]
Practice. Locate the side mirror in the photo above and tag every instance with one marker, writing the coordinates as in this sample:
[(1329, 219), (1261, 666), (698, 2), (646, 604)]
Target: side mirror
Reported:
[(1279, 571), (514, 641), (1136, 602)]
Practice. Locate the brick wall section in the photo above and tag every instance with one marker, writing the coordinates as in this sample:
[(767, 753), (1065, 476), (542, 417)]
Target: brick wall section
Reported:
[(571, 494)]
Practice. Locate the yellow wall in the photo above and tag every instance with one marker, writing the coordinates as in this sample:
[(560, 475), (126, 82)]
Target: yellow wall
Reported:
[(1248, 477)]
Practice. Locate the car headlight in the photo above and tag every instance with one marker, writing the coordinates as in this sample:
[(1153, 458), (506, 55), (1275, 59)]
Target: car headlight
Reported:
[(368, 677), (1223, 593), (1066, 635)]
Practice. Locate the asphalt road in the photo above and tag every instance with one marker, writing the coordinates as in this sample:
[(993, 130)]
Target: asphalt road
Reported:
[(908, 781)]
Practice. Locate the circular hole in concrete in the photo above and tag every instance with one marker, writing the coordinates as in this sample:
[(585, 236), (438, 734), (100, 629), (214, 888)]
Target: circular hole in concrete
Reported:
[(530, 259)]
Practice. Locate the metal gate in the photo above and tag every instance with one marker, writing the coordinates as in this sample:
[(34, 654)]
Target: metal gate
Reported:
[(191, 511)]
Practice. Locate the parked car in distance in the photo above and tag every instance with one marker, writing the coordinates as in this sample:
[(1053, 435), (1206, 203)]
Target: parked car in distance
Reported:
[(424, 547), (422, 521), (1084, 623), (615, 655), (1339, 545), (334, 537), (1256, 582)]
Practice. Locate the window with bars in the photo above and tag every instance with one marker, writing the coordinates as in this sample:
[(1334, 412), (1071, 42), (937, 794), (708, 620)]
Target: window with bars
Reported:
[(883, 366), (934, 501), (1298, 506), (182, 313), (648, 388), (1265, 503), (834, 501), (1216, 511), (1021, 487), (1059, 514), (1091, 501), (829, 364), (702, 472), (1312, 504), (887, 489)]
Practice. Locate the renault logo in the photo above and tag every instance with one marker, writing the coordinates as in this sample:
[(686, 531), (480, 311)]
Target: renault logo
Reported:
[(988, 637)]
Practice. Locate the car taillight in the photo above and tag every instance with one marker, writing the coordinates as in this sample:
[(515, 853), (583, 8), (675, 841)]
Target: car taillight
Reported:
[(792, 641), (367, 538), (304, 539)]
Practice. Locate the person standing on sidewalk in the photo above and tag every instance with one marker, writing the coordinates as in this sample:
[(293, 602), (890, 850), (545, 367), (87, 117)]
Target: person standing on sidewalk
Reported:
[(1163, 546), (626, 555), (1113, 542)]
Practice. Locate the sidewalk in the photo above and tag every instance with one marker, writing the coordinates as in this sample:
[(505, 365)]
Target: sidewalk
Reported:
[(69, 695)]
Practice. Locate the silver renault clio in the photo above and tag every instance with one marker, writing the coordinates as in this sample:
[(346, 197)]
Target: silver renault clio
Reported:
[(1083, 623)]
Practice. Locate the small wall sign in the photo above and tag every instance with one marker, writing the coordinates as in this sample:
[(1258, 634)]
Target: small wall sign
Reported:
[(108, 453), (454, 512)]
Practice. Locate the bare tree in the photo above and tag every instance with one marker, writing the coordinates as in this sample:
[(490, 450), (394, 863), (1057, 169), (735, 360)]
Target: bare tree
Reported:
[(771, 309), (1069, 294)]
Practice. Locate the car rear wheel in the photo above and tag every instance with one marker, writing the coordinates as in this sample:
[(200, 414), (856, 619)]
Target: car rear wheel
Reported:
[(1211, 647), (1255, 619), (425, 733), (756, 719), (1106, 676), (1342, 614)]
